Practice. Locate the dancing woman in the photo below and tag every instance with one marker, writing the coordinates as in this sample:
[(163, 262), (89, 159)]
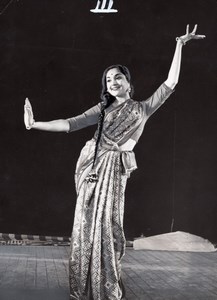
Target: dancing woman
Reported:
[(105, 163)]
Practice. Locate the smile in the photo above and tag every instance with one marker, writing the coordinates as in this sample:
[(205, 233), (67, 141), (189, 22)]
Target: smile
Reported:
[(115, 88)]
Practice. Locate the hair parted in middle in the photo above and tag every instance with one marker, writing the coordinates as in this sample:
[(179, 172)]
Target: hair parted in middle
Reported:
[(108, 99), (105, 96)]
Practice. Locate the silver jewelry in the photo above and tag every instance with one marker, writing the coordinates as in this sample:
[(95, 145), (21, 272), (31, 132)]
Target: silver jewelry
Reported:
[(30, 126), (181, 40)]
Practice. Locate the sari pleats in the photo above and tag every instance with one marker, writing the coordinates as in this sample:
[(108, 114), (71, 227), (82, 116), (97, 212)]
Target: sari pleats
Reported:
[(98, 239)]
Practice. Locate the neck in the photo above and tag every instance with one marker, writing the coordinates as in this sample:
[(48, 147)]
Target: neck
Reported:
[(122, 98)]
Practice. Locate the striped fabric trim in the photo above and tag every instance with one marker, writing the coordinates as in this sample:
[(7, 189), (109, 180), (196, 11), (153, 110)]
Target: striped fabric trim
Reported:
[(7, 237)]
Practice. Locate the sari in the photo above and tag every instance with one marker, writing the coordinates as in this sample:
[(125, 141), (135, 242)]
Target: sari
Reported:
[(98, 240)]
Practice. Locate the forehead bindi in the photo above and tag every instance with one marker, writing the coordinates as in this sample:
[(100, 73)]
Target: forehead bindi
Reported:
[(113, 72)]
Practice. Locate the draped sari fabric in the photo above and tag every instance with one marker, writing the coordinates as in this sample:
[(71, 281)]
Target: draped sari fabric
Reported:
[(98, 241)]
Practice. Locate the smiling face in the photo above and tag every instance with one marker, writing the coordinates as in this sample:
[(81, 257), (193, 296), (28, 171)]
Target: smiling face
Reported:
[(117, 84)]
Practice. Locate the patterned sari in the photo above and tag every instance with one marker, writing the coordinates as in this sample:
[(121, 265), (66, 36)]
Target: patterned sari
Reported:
[(98, 241)]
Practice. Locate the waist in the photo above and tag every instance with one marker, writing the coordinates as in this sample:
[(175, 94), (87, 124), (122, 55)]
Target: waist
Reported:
[(127, 146)]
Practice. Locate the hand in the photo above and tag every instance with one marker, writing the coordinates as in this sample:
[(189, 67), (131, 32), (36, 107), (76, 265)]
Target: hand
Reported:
[(190, 36), (28, 115)]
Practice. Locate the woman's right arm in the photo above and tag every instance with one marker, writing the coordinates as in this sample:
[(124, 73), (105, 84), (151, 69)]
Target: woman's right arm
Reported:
[(56, 125), (88, 118)]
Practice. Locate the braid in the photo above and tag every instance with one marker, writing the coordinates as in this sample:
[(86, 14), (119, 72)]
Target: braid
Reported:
[(107, 101), (99, 131)]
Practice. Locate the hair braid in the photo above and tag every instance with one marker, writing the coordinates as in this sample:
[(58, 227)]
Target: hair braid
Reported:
[(99, 132), (107, 101)]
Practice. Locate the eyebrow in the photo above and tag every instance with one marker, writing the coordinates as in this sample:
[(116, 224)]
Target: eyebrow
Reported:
[(115, 75)]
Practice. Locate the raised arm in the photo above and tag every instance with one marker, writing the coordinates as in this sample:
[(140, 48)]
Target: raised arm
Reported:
[(174, 71)]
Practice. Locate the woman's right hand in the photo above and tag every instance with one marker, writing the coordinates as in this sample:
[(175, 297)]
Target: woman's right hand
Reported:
[(28, 115)]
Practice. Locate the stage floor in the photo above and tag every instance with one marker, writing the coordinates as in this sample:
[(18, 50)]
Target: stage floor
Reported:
[(41, 272)]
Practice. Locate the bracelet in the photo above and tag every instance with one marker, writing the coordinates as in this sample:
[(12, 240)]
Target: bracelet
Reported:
[(30, 127), (181, 40)]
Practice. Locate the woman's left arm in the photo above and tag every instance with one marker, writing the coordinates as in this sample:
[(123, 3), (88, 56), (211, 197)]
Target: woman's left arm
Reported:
[(174, 71)]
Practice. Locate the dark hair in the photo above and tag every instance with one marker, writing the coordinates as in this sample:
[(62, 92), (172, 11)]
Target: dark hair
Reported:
[(108, 99), (105, 96)]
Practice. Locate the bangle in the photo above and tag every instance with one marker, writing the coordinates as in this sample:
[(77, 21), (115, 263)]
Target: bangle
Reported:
[(30, 127), (181, 40)]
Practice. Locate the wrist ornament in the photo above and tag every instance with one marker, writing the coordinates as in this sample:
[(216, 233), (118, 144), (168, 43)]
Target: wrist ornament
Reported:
[(30, 126), (181, 40)]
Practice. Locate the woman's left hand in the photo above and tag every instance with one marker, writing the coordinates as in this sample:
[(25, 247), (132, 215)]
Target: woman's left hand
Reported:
[(191, 35)]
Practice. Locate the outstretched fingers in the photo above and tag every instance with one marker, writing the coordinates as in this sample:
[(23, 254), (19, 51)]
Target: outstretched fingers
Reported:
[(193, 35), (194, 30), (27, 103), (199, 36)]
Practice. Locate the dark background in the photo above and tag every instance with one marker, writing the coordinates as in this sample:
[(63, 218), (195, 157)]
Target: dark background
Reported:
[(54, 52)]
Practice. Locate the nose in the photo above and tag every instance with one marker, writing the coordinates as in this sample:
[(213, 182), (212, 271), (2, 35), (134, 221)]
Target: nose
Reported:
[(114, 81)]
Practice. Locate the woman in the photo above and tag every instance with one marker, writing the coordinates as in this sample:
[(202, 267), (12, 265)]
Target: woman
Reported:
[(105, 163)]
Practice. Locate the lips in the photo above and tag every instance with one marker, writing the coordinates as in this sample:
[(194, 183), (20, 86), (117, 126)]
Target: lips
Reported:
[(115, 88)]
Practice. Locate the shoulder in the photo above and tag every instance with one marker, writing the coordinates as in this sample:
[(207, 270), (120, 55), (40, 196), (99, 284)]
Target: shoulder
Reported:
[(135, 106)]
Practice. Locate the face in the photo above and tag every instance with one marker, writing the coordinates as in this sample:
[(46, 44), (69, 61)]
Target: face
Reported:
[(117, 84)]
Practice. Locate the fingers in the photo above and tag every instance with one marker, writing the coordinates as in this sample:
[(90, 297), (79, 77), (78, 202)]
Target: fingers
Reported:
[(28, 117), (28, 114), (28, 109), (27, 102), (194, 30), (28, 106), (199, 36), (193, 35)]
